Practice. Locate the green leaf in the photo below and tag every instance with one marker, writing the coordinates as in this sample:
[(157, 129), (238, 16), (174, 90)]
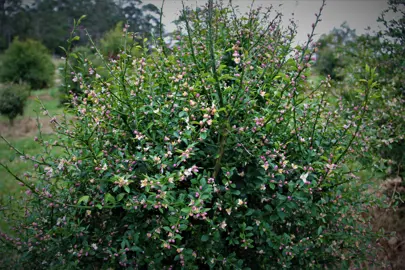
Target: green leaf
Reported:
[(203, 135), (281, 214), (320, 230), (120, 196), (109, 198), (204, 238), (250, 212), (63, 49), (81, 18), (127, 189), (186, 210), (84, 199)]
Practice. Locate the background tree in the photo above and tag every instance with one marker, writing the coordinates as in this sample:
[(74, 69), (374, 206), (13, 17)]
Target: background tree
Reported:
[(27, 61), (10, 10), (392, 48), (331, 54), (50, 21)]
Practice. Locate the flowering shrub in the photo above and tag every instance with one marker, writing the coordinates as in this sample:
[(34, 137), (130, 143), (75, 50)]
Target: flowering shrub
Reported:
[(217, 152)]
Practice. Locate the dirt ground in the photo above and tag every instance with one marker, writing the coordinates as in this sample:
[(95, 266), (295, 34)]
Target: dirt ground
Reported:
[(26, 127), (393, 222)]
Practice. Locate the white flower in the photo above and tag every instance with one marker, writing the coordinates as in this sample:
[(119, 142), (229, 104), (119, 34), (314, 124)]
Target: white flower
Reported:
[(156, 160), (104, 168), (61, 164), (94, 246), (303, 177), (49, 171), (240, 202), (144, 182), (223, 225), (122, 182)]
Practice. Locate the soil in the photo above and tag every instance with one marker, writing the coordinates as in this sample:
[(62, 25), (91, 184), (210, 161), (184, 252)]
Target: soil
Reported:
[(26, 127), (43, 97), (392, 220)]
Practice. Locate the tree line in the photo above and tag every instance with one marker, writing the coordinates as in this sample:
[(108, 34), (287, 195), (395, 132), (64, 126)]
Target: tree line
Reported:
[(50, 21)]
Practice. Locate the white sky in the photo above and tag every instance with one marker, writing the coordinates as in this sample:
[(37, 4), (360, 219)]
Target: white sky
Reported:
[(358, 13)]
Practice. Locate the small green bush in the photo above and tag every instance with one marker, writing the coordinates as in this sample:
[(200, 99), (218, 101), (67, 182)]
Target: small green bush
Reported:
[(29, 62), (12, 100), (216, 153)]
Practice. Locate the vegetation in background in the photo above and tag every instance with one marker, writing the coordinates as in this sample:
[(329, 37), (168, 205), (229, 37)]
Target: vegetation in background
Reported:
[(50, 21), (28, 62), (114, 41), (13, 100), (89, 64), (384, 121), (331, 58)]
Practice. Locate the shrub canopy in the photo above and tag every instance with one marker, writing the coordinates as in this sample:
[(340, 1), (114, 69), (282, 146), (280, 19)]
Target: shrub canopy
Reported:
[(215, 153)]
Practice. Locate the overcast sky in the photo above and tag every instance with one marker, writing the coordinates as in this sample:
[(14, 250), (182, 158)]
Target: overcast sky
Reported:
[(358, 13)]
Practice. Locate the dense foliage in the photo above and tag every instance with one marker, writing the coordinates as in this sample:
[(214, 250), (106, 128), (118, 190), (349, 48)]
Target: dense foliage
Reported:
[(217, 152), (12, 100), (28, 62)]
